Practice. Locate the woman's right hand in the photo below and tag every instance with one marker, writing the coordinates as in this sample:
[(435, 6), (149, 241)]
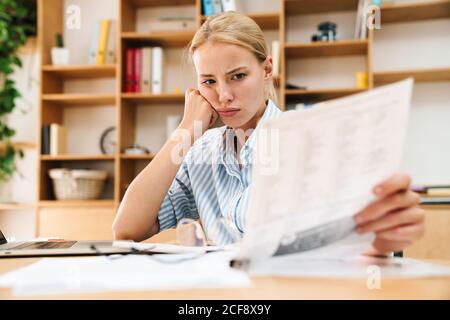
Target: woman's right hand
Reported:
[(197, 112)]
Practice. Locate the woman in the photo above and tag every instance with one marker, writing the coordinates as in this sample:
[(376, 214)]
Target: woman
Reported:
[(211, 183)]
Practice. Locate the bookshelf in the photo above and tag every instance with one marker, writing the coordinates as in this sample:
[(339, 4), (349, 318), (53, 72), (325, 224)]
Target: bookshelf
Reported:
[(308, 50), (407, 12), (80, 71), (326, 49), (54, 101), (412, 12)]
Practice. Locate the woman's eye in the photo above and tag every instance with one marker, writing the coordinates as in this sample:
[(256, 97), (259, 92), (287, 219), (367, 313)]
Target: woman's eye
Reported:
[(239, 76), (209, 81)]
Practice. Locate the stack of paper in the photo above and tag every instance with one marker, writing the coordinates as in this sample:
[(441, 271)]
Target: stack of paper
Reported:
[(121, 273)]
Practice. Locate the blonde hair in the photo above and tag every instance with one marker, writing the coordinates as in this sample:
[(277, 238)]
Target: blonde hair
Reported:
[(238, 29)]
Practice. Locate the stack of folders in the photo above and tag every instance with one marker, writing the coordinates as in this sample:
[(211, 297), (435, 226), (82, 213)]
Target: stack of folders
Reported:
[(54, 139), (433, 194), (103, 43), (144, 69)]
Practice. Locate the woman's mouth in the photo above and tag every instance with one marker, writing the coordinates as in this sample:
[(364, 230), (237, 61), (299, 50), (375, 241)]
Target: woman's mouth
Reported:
[(228, 112)]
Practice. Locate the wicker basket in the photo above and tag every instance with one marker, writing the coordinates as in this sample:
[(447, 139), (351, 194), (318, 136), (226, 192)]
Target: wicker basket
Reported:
[(71, 184)]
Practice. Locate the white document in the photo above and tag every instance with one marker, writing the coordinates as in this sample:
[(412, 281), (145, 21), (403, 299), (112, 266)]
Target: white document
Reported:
[(296, 265), (314, 169), (164, 247), (122, 273)]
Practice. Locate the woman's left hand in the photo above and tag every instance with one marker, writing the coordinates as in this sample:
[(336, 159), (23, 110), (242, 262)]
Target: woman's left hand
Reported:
[(395, 216)]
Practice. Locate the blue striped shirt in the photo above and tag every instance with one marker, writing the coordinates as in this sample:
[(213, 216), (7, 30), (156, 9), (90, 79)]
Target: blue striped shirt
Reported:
[(211, 186)]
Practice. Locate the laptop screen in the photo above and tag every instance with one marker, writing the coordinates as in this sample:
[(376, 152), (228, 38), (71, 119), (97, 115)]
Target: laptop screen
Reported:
[(2, 238)]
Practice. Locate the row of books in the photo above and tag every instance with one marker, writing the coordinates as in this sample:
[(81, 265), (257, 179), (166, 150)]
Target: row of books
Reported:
[(103, 43), (54, 139), (144, 69), (211, 7)]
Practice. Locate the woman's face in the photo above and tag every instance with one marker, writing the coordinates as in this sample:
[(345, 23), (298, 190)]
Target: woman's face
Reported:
[(232, 80)]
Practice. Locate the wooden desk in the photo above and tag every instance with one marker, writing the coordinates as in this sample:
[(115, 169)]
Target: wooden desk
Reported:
[(270, 288)]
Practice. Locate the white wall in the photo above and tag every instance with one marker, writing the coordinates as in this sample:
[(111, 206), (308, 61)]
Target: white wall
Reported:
[(419, 45)]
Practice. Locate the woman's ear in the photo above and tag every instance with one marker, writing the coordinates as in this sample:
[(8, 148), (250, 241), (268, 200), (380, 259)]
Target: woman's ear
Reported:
[(268, 68)]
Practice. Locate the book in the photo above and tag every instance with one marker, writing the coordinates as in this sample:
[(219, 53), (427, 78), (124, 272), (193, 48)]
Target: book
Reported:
[(436, 201), (438, 192), (45, 142), (157, 66), (111, 43), (146, 70), (57, 139), (361, 19), (276, 58), (217, 6), (432, 190), (171, 24), (94, 43), (129, 70), (207, 7), (231, 5), (137, 70), (102, 42)]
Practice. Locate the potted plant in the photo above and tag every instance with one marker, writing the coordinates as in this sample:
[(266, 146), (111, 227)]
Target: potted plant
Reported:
[(13, 35), (60, 55)]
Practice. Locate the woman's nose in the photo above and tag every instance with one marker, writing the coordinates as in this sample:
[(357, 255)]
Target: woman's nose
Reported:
[(225, 94)]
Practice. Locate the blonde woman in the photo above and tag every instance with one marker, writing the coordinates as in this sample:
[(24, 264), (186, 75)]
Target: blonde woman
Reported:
[(212, 182)]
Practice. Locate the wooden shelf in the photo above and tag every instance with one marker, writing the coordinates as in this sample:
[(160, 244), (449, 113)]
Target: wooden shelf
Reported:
[(159, 3), (70, 99), (74, 157), (424, 75), (76, 203), (154, 98), (265, 20), (295, 7), (137, 156), (17, 206), (326, 49), (81, 71), (406, 12), (174, 39), (20, 145), (321, 94)]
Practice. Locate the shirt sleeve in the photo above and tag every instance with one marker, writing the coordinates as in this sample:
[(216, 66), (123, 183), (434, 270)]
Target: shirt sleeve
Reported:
[(179, 201)]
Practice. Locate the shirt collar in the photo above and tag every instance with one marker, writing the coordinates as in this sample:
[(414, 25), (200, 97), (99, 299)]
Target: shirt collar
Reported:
[(227, 146)]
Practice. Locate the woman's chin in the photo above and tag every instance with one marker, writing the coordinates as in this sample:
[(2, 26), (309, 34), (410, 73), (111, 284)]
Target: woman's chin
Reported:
[(232, 123)]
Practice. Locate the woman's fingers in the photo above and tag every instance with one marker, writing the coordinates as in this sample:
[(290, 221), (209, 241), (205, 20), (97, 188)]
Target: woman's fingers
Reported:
[(380, 207), (399, 181), (385, 246), (396, 218), (407, 233)]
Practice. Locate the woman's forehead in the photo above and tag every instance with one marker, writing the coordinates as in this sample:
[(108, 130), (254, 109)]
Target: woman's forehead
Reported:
[(221, 57)]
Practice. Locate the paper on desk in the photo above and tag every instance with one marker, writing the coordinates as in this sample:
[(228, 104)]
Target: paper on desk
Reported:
[(164, 247), (323, 165), (127, 272), (296, 265)]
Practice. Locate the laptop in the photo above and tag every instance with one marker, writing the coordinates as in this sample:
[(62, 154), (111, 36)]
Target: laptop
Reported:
[(57, 248)]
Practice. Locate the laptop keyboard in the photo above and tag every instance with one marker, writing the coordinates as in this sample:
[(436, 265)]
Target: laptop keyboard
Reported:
[(44, 245)]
